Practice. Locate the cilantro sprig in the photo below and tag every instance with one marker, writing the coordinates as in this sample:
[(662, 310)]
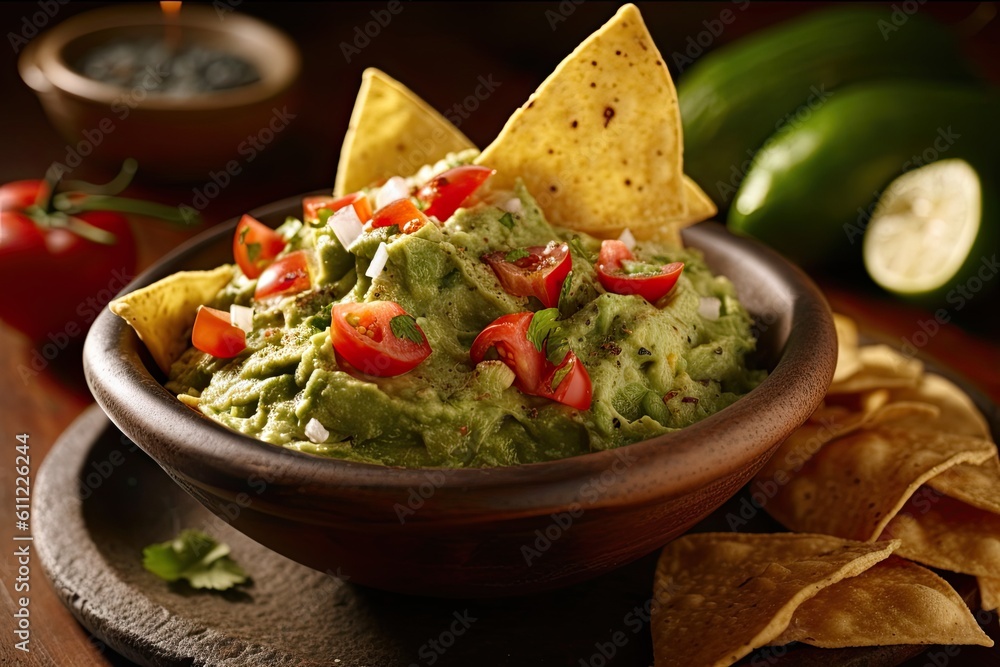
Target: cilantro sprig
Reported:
[(547, 335), (405, 327), (516, 254), (197, 558), (507, 220)]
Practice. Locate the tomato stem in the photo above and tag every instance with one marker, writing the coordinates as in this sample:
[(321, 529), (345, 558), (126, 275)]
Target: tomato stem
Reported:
[(67, 203), (113, 187)]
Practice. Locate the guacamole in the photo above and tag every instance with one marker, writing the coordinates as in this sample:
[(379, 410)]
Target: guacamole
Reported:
[(653, 367)]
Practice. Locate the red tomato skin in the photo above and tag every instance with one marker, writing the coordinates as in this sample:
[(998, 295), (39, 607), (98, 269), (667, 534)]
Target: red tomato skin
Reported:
[(651, 288), (72, 279), (509, 334), (311, 206), (533, 373), (382, 355), (540, 275), (403, 213), (445, 193), (575, 389), (270, 242), (214, 334), (285, 276)]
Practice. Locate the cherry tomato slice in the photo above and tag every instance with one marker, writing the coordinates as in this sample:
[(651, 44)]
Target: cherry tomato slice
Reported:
[(445, 193), (403, 213), (311, 206), (572, 385), (214, 334), (285, 276), (509, 335), (614, 279), (255, 245), (362, 333), (540, 274)]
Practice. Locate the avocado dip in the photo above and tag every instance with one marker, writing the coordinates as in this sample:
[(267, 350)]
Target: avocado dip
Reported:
[(652, 367)]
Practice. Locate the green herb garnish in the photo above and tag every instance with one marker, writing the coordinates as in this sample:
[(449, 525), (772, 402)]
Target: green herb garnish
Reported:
[(507, 220), (516, 254), (567, 286), (577, 246), (195, 557), (253, 251), (404, 326), (542, 324)]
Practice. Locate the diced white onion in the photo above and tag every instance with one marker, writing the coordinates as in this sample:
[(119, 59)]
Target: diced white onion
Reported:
[(346, 225), (395, 188), (627, 238), (242, 317), (316, 432), (709, 307), (513, 206), (378, 261)]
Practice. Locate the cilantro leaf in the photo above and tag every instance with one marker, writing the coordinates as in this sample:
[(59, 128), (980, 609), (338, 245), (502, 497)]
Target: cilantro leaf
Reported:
[(195, 557), (323, 318), (404, 326), (516, 254), (253, 251), (542, 324), (243, 234), (577, 246), (567, 286), (507, 220)]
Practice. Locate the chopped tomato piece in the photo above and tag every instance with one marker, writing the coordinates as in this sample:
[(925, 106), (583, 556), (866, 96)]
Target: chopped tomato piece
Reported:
[(509, 335), (214, 334), (377, 338), (402, 213), (652, 285), (285, 276), (255, 245), (537, 271), (445, 193), (568, 383), (311, 206)]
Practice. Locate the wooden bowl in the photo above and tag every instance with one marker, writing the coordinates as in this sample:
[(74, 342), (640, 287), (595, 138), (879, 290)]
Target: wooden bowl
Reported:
[(479, 532), (175, 138)]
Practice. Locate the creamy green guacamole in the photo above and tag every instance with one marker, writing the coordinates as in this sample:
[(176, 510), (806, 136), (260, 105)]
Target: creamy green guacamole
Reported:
[(654, 369)]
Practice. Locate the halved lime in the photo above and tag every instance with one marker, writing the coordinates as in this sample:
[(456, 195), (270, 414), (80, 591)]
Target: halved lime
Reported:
[(921, 237)]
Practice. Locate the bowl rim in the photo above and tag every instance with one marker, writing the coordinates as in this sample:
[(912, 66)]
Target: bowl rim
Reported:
[(43, 67), (199, 446)]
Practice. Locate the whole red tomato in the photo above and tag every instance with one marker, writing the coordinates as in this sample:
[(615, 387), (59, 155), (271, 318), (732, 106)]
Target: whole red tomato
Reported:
[(57, 280)]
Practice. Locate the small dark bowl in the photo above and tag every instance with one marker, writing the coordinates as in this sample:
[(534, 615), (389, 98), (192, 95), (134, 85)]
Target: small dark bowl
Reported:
[(173, 138), (479, 532)]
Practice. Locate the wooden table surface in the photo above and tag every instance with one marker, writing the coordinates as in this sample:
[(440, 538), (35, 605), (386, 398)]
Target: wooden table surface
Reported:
[(414, 44)]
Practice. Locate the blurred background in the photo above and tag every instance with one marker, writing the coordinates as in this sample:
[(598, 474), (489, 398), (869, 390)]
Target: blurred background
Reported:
[(476, 63)]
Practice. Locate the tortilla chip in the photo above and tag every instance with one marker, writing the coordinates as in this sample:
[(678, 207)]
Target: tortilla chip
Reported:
[(599, 143), (976, 485), (700, 207), (828, 424), (881, 367), (392, 132), (721, 595), (893, 602), (162, 313), (848, 358), (958, 414), (989, 593), (853, 486), (946, 533)]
